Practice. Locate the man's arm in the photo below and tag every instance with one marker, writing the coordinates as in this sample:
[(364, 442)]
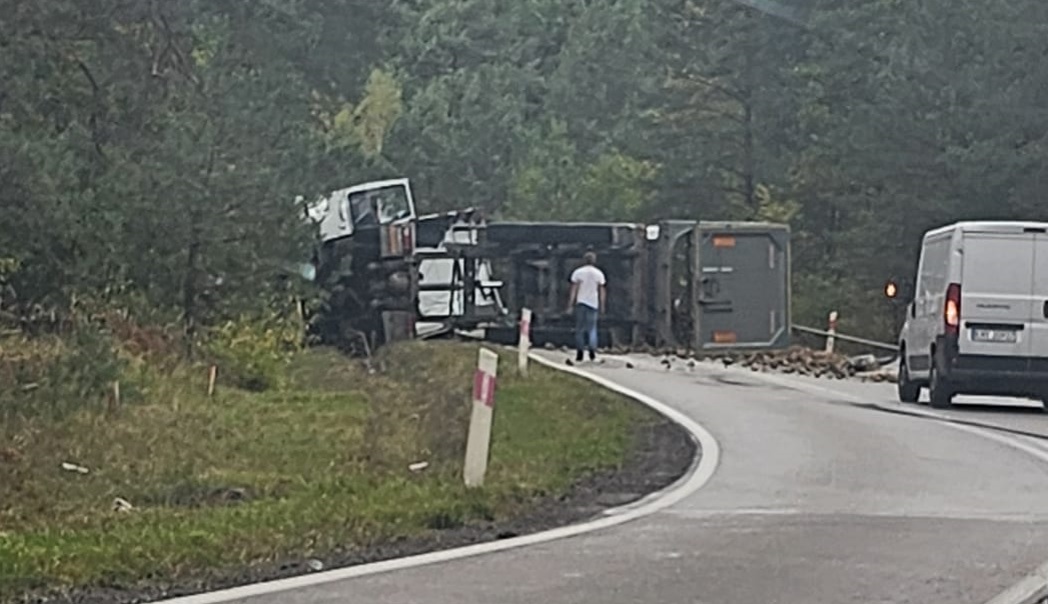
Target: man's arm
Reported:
[(574, 296)]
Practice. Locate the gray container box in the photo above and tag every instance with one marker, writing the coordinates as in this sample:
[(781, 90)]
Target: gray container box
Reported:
[(741, 296)]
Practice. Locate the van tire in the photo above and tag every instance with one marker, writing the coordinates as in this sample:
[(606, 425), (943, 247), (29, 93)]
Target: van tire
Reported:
[(909, 391), (939, 390)]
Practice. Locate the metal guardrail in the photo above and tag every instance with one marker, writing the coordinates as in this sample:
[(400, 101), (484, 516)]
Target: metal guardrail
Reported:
[(845, 338)]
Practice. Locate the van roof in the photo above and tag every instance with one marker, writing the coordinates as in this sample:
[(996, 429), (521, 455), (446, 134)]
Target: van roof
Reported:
[(988, 226)]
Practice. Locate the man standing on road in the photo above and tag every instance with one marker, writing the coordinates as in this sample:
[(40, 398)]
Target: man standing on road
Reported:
[(587, 302)]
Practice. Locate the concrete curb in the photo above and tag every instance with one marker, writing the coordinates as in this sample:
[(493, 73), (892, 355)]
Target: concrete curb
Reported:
[(698, 475)]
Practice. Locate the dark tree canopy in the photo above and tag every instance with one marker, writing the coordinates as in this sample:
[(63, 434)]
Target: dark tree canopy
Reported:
[(150, 152)]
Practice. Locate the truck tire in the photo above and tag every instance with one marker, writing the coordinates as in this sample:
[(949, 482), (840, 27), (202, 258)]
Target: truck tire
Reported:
[(939, 389), (909, 391)]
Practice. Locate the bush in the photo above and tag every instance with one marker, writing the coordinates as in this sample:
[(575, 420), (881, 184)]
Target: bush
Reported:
[(52, 376), (255, 352), (864, 311)]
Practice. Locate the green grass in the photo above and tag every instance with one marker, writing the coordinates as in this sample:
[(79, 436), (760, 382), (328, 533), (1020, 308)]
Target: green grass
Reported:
[(249, 478)]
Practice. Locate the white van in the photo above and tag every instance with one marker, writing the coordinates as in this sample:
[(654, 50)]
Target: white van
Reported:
[(978, 323)]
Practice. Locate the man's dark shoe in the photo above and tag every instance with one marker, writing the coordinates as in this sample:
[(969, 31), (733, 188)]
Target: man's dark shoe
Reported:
[(578, 357), (593, 355)]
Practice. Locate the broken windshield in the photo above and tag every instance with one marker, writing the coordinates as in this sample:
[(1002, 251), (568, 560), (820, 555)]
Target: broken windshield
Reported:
[(379, 206)]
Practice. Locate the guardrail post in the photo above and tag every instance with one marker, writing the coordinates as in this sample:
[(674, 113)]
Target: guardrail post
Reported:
[(524, 343), (831, 339), (478, 443)]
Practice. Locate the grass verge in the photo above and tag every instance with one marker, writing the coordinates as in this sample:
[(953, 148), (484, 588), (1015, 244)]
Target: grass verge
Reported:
[(253, 479)]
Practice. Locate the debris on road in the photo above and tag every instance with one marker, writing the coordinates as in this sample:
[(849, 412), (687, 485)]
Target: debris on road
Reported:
[(797, 360), (72, 467), (866, 362), (122, 505), (807, 362), (419, 466), (885, 373)]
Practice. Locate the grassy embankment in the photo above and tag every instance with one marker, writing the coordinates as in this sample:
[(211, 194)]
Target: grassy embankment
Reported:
[(246, 478)]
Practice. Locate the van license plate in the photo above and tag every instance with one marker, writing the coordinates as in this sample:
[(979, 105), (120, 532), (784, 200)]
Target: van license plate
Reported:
[(995, 335)]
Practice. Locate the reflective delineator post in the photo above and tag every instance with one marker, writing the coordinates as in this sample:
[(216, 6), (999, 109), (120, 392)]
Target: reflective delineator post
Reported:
[(831, 339), (524, 343), (478, 443)]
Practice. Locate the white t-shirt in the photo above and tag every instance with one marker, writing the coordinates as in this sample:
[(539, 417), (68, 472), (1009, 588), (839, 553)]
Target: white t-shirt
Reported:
[(589, 279)]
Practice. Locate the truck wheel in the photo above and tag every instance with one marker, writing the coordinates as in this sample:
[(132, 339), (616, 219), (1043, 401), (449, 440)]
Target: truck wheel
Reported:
[(909, 391), (939, 389)]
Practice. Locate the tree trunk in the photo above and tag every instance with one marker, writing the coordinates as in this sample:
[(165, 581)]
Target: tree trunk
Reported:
[(189, 284)]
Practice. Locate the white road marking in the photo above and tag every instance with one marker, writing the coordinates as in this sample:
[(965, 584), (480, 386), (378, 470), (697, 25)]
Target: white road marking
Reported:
[(1009, 441), (701, 514), (699, 475), (1031, 590)]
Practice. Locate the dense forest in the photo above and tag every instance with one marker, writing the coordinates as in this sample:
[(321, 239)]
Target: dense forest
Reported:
[(150, 152)]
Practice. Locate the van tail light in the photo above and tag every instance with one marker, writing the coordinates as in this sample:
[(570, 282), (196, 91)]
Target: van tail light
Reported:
[(952, 309)]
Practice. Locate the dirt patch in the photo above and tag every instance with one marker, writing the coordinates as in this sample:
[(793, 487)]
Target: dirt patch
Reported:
[(662, 453)]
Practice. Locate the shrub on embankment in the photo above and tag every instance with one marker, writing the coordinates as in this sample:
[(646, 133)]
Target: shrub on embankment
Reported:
[(174, 486)]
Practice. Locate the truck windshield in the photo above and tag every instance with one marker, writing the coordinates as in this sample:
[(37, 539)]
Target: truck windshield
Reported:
[(379, 206)]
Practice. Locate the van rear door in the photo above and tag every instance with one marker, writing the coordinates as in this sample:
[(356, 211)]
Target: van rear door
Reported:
[(997, 293), (1039, 319)]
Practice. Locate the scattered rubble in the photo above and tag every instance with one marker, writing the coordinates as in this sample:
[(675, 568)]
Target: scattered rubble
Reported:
[(886, 373), (796, 360), (813, 363)]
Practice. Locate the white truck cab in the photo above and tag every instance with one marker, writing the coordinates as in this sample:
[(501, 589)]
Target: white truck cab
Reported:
[(373, 203), (978, 322)]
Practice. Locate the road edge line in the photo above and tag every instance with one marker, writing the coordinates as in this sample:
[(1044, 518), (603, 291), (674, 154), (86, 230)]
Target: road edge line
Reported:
[(699, 473), (1031, 589)]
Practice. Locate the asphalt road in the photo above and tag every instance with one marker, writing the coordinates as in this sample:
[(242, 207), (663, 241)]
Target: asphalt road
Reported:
[(819, 498)]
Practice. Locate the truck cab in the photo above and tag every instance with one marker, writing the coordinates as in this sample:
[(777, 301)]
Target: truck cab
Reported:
[(365, 260), (366, 205)]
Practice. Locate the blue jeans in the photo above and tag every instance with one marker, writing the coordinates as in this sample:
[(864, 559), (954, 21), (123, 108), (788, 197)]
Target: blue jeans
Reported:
[(585, 328)]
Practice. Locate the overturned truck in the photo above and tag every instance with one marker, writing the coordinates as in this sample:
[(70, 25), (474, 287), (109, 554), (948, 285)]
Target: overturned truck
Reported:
[(703, 286), (692, 285)]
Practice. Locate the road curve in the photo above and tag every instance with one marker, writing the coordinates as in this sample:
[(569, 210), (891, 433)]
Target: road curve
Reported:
[(818, 499)]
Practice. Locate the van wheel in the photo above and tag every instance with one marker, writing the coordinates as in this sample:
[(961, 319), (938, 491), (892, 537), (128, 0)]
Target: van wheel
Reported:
[(938, 389), (909, 391)]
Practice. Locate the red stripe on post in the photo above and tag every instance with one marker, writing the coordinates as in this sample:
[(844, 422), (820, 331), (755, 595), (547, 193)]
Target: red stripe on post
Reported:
[(484, 388)]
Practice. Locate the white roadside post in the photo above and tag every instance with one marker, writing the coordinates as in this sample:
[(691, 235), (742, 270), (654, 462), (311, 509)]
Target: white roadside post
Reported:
[(478, 443), (831, 339), (524, 343)]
